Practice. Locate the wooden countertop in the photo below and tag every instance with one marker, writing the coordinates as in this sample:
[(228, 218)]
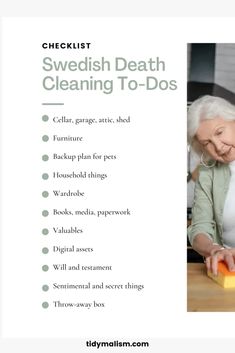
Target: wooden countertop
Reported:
[(206, 295)]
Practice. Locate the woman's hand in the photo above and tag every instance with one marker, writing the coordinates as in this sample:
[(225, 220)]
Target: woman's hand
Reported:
[(226, 255)]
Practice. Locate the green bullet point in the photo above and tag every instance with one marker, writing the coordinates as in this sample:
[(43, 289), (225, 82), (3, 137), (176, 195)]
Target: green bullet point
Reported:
[(45, 157), (45, 194), (45, 250), (45, 213), (45, 231), (45, 287), (45, 138), (45, 176), (45, 268), (45, 118), (45, 305)]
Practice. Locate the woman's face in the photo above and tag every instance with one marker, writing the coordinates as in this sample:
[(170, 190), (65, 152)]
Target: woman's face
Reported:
[(217, 138)]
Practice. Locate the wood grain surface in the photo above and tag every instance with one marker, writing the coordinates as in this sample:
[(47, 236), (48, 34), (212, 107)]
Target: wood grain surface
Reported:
[(206, 295)]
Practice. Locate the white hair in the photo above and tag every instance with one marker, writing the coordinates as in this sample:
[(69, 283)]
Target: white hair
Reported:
[(205, 108)]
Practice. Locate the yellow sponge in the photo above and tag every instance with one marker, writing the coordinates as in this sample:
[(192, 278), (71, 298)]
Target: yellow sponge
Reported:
[(225, 278)]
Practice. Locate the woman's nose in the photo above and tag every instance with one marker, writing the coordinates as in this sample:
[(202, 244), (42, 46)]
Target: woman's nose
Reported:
[(218, 145)]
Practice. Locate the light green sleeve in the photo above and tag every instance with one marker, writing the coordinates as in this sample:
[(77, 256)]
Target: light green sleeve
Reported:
[(203, 210)]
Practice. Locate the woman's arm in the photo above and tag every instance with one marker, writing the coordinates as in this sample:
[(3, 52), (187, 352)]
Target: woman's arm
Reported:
[(204, 245), (203, 222), (203, 228), (214, 253)]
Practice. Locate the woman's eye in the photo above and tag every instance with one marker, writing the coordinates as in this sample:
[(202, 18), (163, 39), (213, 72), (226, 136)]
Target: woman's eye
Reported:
[(219, 132)]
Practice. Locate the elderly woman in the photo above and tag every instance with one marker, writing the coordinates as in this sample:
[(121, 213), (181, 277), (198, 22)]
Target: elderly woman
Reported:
[(211, 133)]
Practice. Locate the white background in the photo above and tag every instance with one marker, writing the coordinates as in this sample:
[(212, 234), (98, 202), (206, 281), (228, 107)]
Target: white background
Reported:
[(163, 155), (146, 160), (121, 8)]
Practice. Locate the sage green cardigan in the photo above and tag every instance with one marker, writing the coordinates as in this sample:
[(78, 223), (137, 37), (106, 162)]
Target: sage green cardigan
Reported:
[(209, 197)]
